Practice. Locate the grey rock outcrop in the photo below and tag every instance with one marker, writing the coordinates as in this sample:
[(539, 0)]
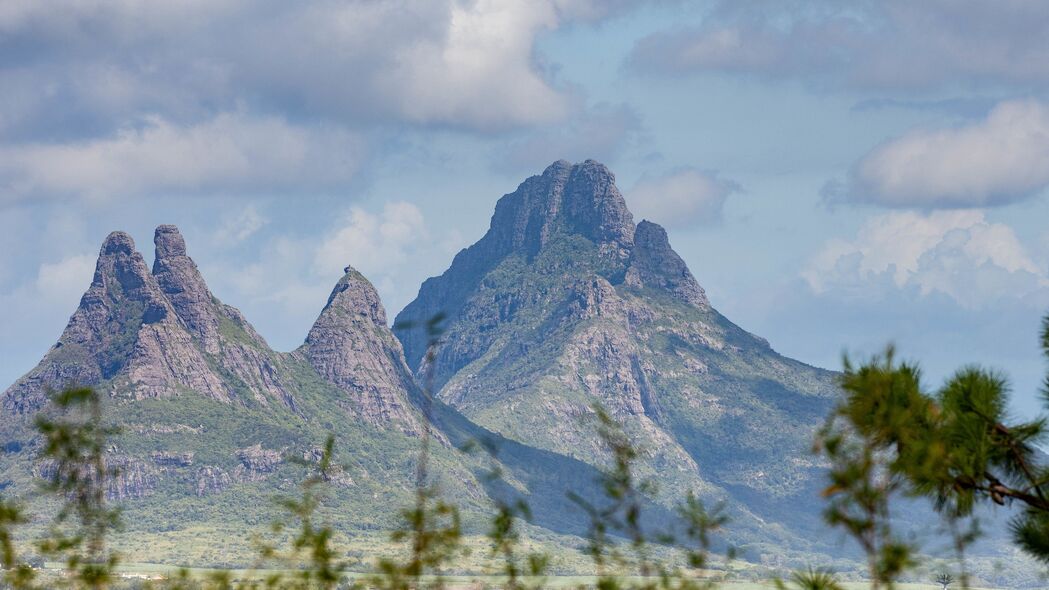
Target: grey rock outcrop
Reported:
[(654, 264), (211, 480), (565, 303), (351, 346), (221, 330), (124, 333), (258, 459), (133, 478), (169, 459)]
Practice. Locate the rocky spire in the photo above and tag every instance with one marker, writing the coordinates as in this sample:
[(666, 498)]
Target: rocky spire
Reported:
[(580, 199), (654, 264), (221, 330), (178, 277), (351, 346), (124, 329)]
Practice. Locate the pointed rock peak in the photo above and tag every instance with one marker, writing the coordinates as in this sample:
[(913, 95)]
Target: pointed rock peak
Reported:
[(169, 242), (576, 198), (560, 168), (117, 242), (219, 329), (124, 326), (651, 235), (351, 346), (182, 284), (654, 264), (355, 294), (122, 274)]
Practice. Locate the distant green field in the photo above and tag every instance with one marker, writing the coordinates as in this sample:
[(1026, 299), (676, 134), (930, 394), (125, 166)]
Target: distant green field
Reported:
[(156, 571)]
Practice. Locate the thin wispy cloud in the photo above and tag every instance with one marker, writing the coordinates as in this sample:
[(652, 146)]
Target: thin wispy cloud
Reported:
[(891, 46)]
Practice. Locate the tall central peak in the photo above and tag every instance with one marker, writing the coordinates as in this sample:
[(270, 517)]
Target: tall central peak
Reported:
[(579, 199), (562, 229)]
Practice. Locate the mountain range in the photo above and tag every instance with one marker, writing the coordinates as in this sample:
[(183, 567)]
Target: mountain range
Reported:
[(564, 303)]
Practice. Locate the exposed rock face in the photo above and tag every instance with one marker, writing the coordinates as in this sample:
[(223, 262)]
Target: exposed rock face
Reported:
[(565, 302), (179, 279), (220, 330), (124, 329), (212, 480), (168, 459), (654, 264), (259, 459), (134, 478), (580, 200), (351, 346), (256, 463)]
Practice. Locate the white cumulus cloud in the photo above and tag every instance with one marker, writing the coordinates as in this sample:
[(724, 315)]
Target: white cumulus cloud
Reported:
[(66, 279), (372, 242), (886, 46), (959, 254), (466, 64), (999, 160)]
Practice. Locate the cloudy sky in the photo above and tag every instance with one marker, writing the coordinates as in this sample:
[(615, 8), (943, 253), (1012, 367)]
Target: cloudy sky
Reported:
[(838, 174)]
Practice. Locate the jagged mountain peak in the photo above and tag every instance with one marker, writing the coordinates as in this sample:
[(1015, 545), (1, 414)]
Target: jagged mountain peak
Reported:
[(580, 198), (178, 276), (351, 346), (219, 329), (566, 203), (354, 293), (117, 242), (654, 264), (121, 275), (169, 241), (124, 335)]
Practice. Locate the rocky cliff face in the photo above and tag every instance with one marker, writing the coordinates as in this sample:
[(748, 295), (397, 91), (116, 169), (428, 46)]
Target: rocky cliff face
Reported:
[(219, 330), (351, 346), (565, 302), (124, 336), (209, 413)]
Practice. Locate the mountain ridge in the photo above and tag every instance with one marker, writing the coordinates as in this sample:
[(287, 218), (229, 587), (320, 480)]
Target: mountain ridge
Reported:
[(210, 457), (563, 303)]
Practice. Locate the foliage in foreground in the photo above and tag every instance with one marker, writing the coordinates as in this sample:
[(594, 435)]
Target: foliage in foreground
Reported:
[(76, 439), (956, 446), (887, 438)]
